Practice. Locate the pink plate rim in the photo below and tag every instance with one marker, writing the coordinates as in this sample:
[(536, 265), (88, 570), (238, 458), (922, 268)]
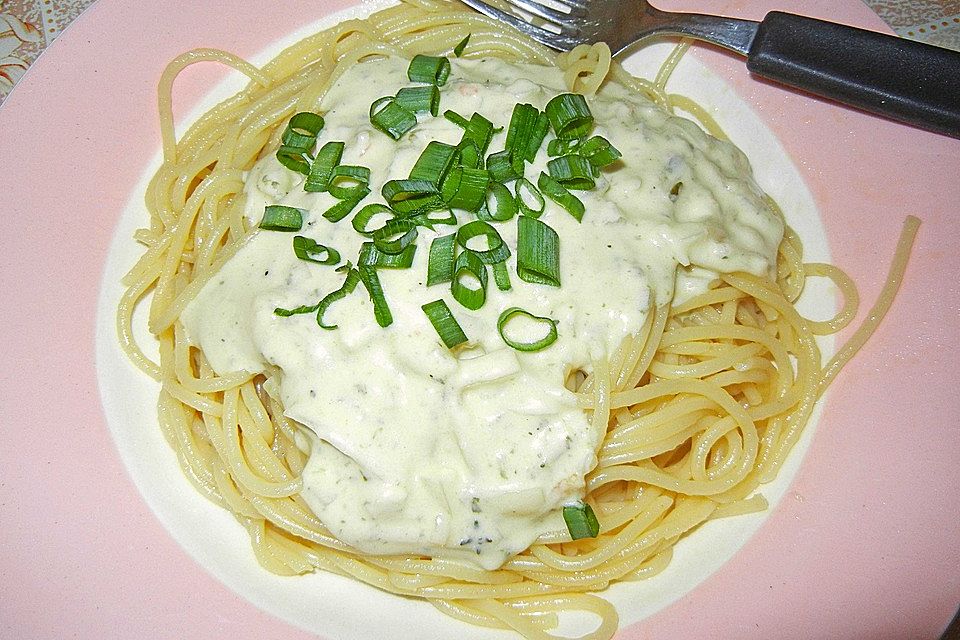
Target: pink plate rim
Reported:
[(863, 546)]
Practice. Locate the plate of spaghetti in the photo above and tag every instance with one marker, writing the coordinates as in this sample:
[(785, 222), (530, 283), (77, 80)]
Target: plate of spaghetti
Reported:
[(404, 325)]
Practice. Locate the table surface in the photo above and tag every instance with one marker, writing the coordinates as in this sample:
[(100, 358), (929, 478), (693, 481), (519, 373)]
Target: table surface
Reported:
[(27, 27)]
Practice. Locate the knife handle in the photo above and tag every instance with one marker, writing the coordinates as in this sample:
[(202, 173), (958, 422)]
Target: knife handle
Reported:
[(904, 80)]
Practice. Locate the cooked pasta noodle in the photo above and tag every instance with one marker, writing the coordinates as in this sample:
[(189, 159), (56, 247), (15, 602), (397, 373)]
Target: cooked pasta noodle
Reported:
[(699, 408)]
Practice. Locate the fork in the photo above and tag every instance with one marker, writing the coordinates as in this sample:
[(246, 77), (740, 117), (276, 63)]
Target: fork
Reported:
[(904, 80)]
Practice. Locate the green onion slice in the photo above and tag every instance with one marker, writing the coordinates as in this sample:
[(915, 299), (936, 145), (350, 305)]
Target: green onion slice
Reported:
[(298, 140), (431, 218), (569, 115), (308, 249), (342, 209), (391, 118), (440, 264), (538, 252), (599, 151), (529, 199), (469, 264), (419, 99), (371, 281), (370, 256), (456, 118), (458, 50), (430, 69), (278, 217), (480, 131), (395, 236), (349, 284), (347, 181), (321, 171), (362, 220), (501, 204), (501, 167), (496, 251), (444, 323), (501, 276), (581, 521), (572, 171), (286, 313), (409, 197), (562, 147), (465, 188), (559, 194), (434, 162), (527, 129), (536, 345)]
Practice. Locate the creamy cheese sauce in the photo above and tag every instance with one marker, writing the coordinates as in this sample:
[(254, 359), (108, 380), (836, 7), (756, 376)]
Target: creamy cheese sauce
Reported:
[(414, 448)]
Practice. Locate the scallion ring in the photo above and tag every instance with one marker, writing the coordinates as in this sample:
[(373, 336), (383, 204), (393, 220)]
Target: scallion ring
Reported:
[(533, 345), (279, 217), (469, 264), (308, 249), (444, 323)]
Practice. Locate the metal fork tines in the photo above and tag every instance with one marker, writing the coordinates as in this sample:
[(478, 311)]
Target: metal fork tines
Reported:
[(548, 25), (563, 24)]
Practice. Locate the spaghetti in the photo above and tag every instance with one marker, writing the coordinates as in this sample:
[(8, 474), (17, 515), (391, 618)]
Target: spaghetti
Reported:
[(698, 409)]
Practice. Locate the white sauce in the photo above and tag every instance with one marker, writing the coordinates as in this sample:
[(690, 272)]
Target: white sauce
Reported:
[(414, 450)]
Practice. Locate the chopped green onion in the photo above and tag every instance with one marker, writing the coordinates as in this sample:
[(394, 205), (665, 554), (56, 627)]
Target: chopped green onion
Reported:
[(538, 252), (480, 131), (431, 218), (501, 167), (408, 197), (342, 209), (298, 139), (444, 323), (278, 217), (307, 249), (458, 50), (527, 129), (347, 181), (599, 151), (569, 115), (370, 256), (501, 276), (429, 69), (361, 221), (496, 251), (561, 146), (468, 263), (581, 521), (419, 99), (573, 172), (434, 162), (391, 118), (294, 158), (535, 345), (529, 199), (465, 188), (395, 236), (469, 154), (286, 313), (456, 118), (559, 194), (501, 204), (323, 165), (349, 284), (371, 281), (443, 252)]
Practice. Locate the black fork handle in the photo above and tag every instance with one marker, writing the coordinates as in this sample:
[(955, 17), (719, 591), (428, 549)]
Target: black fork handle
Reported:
[(901, 79)]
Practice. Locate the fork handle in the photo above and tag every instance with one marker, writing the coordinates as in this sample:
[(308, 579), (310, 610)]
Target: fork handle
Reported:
[(901, 79)]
